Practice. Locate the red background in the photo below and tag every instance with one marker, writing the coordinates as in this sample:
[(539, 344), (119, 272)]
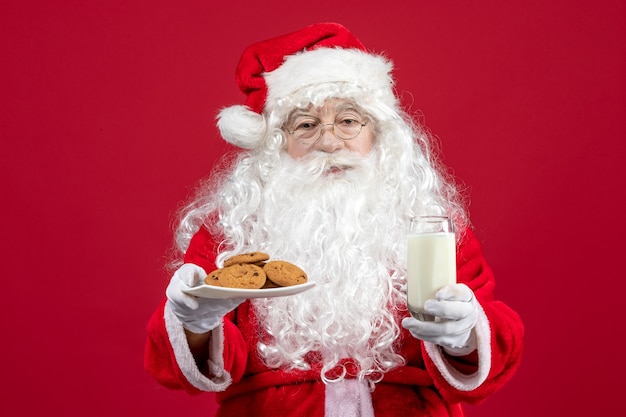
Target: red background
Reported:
[(107, 121)]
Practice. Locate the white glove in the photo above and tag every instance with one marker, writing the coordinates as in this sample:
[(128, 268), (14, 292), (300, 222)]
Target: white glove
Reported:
[(456, 311), (198, 315)]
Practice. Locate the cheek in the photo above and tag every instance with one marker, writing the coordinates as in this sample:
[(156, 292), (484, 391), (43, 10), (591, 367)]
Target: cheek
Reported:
[(295, 151), (362, 146)]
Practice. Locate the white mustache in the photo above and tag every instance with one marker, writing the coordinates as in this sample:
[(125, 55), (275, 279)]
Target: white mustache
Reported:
[(318, 162)]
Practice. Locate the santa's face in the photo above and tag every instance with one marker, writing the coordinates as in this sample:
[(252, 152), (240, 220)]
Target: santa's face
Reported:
[(337, 125)]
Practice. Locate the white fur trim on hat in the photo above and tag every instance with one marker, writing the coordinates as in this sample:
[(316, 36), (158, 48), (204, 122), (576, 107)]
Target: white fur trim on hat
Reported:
[(328, 65), (241, 126)]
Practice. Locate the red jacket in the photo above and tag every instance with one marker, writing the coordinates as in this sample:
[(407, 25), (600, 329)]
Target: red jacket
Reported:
[(431, 383)]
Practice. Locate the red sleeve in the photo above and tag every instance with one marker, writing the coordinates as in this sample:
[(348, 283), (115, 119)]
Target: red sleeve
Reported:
[(506, 326), (202, 250), (235, 348), (159, 358)]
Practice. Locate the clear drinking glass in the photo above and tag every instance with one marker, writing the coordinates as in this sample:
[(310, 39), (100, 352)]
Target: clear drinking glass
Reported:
[(431, 261)]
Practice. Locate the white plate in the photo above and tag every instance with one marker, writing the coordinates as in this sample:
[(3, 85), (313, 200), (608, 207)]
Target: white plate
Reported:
[(210, 291)]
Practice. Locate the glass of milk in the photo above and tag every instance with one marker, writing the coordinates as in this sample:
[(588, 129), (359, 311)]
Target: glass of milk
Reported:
[(431, 261)]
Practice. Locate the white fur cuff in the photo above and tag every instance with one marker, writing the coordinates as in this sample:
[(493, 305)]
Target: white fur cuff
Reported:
[(457, 379), (186, 362)]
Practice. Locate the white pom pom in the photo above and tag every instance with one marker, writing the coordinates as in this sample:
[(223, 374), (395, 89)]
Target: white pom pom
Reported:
[(241, 126)]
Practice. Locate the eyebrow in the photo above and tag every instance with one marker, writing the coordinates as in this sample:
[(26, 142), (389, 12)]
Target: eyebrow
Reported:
[(338, 109), (299, 113)]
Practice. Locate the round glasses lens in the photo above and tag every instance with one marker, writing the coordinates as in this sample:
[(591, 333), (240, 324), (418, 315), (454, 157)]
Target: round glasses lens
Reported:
[(308, 131), (348, 129)]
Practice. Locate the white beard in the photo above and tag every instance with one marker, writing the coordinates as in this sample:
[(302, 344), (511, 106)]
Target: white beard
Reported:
[(341, 230)]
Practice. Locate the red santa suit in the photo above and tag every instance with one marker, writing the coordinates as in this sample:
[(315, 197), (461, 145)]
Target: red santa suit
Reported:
[(431, 383)]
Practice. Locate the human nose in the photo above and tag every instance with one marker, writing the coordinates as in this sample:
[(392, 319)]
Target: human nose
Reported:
[(328, 142), (331, 128)]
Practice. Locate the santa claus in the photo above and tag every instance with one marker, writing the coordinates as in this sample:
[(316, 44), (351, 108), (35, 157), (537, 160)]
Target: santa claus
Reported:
[(330, 173)]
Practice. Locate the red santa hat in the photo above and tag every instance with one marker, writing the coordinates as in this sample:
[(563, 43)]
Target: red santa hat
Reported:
[(275, 68)]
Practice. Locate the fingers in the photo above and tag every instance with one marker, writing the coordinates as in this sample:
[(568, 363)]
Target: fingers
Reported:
[(436, 330), (455, 292), (178, 298), (452, 302), (446, 333), (450, 310), (456, 311), (198, 315), (190, 274)]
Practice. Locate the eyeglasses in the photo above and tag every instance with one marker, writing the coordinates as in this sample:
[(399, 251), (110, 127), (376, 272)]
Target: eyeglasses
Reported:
[(309, 130)]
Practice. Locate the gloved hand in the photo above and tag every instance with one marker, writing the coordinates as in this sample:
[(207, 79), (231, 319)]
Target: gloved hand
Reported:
[(198, 315), (456, 310)]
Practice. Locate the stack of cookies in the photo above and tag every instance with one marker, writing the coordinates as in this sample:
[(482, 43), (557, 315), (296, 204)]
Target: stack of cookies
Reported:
[(254, 270)]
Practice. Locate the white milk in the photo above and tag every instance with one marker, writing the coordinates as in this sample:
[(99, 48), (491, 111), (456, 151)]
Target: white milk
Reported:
[(431, 264)]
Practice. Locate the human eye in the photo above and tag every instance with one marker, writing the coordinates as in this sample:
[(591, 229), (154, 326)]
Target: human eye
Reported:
[(306, 125), (348, 120)]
